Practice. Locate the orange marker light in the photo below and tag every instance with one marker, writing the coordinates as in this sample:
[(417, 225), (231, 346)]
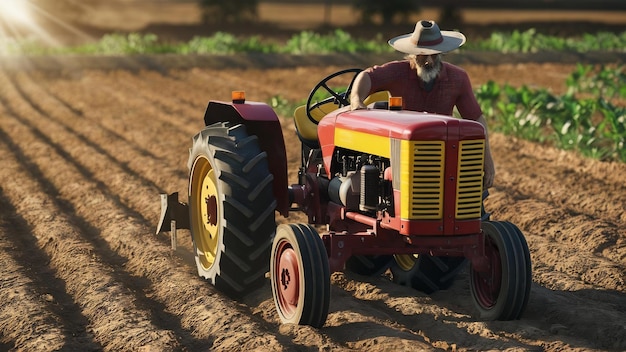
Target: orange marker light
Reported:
[(395, 103), (238, 96)]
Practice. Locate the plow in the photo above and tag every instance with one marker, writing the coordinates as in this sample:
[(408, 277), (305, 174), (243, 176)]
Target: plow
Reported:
[(383, 190)]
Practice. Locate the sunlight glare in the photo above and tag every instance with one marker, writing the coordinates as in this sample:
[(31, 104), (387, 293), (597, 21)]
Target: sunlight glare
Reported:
[(15, 11), (30, 23)]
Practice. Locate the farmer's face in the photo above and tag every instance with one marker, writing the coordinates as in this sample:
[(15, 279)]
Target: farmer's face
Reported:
[(427, 60), (428, 66)]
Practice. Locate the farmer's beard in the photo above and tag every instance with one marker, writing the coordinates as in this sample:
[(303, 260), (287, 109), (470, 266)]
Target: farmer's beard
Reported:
[(429, 71)]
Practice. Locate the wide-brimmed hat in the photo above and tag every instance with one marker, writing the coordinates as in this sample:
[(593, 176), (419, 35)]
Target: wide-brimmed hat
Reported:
[(427, 39)]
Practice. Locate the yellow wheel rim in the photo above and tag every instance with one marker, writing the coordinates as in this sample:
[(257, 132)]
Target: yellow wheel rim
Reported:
[(406, 261), (205, 215)]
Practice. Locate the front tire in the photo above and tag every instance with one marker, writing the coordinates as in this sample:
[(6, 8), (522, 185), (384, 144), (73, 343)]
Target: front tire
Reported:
[(231, 208), (300, 275), (502, 292)]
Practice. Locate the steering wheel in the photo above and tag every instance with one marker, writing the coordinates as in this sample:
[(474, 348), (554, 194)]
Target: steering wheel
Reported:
[(340, 98)]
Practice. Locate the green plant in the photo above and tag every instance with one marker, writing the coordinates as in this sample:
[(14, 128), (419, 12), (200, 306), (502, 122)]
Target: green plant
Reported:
[(224, 43), (282, 106), (607, 82), (338, 41), (613, 129), (530, 41), (133, 43), (583, 119)]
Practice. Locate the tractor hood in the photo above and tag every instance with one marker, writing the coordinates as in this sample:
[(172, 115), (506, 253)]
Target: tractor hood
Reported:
[(371, 131)]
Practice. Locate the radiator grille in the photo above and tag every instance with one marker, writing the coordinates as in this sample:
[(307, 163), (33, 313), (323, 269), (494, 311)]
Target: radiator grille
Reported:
[(470, 179), (427, 174)]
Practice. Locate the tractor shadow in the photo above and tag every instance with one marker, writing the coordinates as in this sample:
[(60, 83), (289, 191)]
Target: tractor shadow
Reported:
[(381, 308)]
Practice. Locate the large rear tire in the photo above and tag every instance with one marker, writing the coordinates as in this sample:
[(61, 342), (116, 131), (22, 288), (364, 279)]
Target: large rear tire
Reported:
[(231, 207), (502, 292), (300, 275), (426, 273)]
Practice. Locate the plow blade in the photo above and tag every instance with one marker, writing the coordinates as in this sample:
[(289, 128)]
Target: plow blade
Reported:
[(172, 211)]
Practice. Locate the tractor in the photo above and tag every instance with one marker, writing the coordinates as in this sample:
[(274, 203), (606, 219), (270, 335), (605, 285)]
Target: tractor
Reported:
[(383, 190)]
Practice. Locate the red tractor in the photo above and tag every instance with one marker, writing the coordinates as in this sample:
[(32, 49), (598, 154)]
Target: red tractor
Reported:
[(393, 190)]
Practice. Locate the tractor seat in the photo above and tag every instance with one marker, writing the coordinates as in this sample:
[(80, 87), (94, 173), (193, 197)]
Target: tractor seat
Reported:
[(307, 130)]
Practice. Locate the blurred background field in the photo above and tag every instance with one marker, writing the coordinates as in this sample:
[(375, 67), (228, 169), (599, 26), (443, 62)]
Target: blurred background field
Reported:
[(70, 22)]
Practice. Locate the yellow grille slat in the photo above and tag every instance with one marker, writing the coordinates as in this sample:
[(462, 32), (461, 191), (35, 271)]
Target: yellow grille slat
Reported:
[(422, 179), (425, 159), (470, 179)]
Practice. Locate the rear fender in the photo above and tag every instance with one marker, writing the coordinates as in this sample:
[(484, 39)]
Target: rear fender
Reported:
[(262, 121)]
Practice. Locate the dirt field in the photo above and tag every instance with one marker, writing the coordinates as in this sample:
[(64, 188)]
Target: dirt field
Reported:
[(84, 158), (85, 153)]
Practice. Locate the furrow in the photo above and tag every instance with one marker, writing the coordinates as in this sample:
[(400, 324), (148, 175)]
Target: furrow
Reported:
[(24, 307), (171, 95), (117, 111), (123, 103), (551, 244), (110, 307), (582, 210), (435, 319), (128, 171), (582, 186), (200, 309)]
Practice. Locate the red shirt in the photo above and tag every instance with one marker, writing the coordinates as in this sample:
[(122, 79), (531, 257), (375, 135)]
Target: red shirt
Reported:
[(452, 87)]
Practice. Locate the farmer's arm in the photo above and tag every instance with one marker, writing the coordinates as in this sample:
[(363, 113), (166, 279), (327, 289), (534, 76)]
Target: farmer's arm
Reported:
[(360, 90), (469, 108), (490, 170)]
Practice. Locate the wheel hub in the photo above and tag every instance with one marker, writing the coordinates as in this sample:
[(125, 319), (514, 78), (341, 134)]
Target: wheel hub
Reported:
[(289, 273), (209, 206), (406, 262), (205, 211), (211, 210), (488, 283)]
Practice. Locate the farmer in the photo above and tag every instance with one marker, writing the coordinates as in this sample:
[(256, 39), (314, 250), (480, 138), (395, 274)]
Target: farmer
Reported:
[(424, 81)]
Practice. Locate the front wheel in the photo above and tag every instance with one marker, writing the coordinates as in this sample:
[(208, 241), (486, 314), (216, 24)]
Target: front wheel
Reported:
[(502, 291), (231, 208), (300, 275)]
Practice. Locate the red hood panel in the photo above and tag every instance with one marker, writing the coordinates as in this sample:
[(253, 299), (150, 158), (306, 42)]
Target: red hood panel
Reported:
[(405, 125)]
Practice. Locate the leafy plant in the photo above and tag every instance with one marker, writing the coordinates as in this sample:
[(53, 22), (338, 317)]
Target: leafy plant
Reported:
[(338, 42), (282, 106), (223, 43), (608, 83), (530, 41), (583, 119)]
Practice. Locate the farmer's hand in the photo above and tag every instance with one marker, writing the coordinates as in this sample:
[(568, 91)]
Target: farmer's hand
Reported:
[(489, 168), (360, 89), (355, 104), (490, 173)]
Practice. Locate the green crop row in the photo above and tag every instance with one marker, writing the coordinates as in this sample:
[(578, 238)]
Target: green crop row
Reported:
[(530, 41), (589, 118), (307, 42)]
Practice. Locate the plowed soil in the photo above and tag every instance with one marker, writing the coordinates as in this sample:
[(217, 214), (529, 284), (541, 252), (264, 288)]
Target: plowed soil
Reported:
[(85, 153)]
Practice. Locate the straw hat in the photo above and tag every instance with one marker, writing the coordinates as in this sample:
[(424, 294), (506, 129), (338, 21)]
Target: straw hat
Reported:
[(427, 39)]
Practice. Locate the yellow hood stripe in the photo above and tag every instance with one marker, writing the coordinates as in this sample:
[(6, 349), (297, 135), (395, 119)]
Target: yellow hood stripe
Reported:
[(363, 142)]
